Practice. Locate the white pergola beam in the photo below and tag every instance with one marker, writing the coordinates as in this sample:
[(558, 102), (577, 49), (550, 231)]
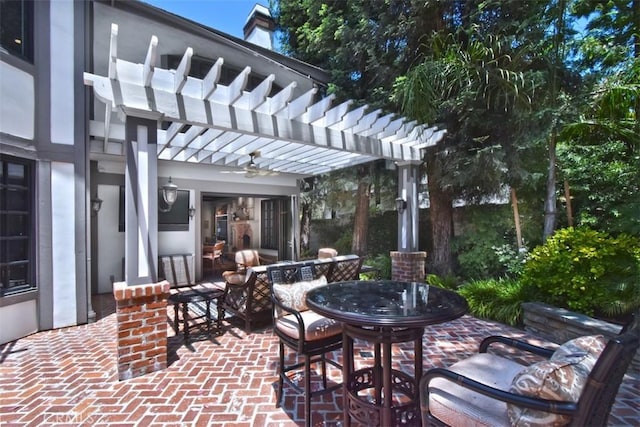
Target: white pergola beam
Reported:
[(150, 61), (113, 52), (293, 133), (182, 72), (211, 79), (298, 105), (317, 110)]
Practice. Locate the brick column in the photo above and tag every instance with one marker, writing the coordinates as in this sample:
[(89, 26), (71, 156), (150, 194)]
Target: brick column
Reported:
[(141, 312), (408, 266)]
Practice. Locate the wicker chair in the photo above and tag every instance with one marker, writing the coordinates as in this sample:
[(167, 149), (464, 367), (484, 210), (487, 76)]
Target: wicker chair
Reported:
[(301, 330), (575, 385)]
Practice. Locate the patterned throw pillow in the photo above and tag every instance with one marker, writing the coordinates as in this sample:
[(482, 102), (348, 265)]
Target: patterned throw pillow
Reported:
[(591, 346), (295, 294), (560, 378)]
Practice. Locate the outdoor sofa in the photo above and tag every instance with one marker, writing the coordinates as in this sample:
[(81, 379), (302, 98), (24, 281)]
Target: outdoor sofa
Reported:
[(249, 299)]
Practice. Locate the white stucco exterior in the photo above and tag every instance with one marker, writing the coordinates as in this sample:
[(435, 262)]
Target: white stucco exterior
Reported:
[(62, 75), (17, 109), (63, 250), (13, 329)]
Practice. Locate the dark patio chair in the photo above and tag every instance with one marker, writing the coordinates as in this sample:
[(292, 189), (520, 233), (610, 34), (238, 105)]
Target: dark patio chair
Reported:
[(575, 385), (246, 291), (309, 334)]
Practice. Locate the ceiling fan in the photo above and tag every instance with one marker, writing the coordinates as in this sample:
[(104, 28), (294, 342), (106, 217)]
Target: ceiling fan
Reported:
[(252, 170)]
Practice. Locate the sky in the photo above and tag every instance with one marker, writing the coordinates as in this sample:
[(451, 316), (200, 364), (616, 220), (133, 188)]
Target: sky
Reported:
[(227, 16)]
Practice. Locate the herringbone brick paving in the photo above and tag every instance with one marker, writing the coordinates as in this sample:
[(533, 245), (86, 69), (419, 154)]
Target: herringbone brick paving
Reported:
[(68, 377)]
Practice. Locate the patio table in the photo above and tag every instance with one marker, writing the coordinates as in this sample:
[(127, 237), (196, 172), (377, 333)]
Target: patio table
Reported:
[(190, 295), (384, 312)]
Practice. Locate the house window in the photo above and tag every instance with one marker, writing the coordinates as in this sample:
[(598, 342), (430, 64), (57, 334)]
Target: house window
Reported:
[(16, 28), (270, 224), (16, 226)]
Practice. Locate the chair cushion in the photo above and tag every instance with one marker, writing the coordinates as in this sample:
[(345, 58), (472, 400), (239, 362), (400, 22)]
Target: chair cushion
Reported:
[(294, 295), (234, 278), (459, 406), (316, 326), (247, 258), (560, 378)]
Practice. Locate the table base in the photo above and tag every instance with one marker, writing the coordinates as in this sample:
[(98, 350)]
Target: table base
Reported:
[(392, 396), (364, 409)]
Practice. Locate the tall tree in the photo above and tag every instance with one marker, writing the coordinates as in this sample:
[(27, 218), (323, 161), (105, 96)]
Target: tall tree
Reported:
[(472, 85), (364, 44)]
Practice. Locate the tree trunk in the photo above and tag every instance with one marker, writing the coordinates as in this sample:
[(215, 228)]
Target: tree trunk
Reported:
[(361, 217), (550, 200), (305, 226), (516, 217), (441, 215), (567, 196)]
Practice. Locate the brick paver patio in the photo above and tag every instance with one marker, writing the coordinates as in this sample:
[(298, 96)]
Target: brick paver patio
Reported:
[(69, 377)]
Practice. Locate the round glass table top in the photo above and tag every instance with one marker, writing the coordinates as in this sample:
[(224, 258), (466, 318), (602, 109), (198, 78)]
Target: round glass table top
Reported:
[(386, 303)]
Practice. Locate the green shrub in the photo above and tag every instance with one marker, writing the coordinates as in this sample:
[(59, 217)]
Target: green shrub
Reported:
[(586, 271), (446, 282), (485, 230), (382, 262), (495, 299), (511, 259)]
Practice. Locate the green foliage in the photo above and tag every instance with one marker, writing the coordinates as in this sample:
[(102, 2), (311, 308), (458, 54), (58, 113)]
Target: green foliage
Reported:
[(586, 271), (383, 233), (511, 259), (480, 249), (446, 282), (382, 262), (496, 299), (600, 156)]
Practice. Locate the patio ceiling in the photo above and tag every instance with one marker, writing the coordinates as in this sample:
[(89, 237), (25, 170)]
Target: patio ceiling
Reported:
[(211, 123)]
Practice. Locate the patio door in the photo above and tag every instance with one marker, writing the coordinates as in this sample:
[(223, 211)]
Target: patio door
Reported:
[(275, 227)]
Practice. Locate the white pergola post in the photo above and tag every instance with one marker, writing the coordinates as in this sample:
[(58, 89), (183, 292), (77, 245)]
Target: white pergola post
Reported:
[(141, 202), (408, 179), (295, 228), (408, 263)]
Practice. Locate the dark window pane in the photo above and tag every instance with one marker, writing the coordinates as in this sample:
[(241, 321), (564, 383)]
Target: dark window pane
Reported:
[(15, 174), (17, 250), (16, 200), (17, 279), (16, 226), (16, 27)]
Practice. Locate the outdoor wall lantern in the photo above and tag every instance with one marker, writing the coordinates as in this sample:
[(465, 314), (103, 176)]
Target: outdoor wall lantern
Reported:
[(192, 212), (169, 194), (96, 204), (401, 204)]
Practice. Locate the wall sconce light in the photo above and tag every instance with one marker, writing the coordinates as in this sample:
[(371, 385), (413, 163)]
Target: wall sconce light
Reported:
[(401, 204), (169, 194), (96, 204), (192, 212)]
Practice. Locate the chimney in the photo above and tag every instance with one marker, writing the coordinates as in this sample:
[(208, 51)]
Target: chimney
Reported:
[(259, 27)]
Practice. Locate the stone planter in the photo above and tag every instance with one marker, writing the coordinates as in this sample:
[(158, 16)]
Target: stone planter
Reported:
[(559, 325)]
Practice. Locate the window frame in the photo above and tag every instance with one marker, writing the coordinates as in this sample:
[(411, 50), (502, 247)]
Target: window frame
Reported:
[(269, 223), (6, 234)]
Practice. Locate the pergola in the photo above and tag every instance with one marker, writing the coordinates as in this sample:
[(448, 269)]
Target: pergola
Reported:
[(212, 123)]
